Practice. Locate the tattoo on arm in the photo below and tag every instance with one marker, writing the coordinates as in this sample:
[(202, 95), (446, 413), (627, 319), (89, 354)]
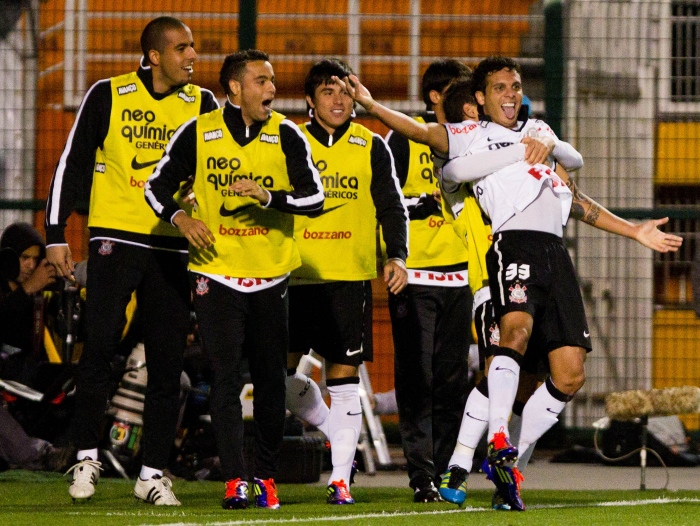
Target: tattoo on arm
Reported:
[(575, 192), (593, 214), (577, 211), (583, 207)]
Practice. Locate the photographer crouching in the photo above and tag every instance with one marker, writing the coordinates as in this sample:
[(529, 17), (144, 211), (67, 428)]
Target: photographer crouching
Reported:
[(24, 275)]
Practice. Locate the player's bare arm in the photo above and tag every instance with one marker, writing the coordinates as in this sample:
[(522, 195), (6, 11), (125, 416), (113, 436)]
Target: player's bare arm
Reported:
[(646, 233), (430, 133)]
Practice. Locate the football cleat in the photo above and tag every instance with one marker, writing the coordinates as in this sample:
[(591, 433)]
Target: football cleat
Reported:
[(453, 486), (266, 494), (426, 493), (507, 481), (497, 502), (338, 493), (236, 497), (86, 474), (157, 490)]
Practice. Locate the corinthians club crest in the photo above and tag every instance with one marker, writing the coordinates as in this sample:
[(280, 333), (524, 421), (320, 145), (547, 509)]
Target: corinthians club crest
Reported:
[(202, 286), (517, 293), (106, 247), (495, 336)]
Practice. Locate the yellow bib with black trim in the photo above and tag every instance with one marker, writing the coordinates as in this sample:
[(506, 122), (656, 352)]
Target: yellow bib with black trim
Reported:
[(431, 241), (251, 241), (340, 244), (139, 130), (462, 210)]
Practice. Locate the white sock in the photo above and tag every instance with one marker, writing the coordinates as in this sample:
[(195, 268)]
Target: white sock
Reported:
[(85, 453), (541, 412), (304, 399), (514, 427), (344, 424), (148, 473), (503, 386), (475, 420), (524, 456)]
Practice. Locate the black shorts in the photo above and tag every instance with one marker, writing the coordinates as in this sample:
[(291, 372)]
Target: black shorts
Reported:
[(487, 332), (489, 335), (532, 272), (334, 319)]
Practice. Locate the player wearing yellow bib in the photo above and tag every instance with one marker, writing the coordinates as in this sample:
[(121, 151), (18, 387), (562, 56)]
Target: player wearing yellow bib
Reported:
[(430, 318), (119, 135), (330, 302), (252, 169)]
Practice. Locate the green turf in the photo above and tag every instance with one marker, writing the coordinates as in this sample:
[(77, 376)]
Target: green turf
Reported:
[(42, 499)]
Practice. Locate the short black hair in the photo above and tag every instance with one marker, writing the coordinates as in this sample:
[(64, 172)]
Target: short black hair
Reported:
[(491, 65), (321, 73), (439, 75), (235, 63), (457, 95), (153, 34)]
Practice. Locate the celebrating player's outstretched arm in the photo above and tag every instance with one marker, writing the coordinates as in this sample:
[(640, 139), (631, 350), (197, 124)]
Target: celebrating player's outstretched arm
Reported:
[(647, 233)]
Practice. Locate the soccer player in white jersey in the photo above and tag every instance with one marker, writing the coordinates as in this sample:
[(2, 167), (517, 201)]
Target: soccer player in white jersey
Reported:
[(532, 279), (564, 341)]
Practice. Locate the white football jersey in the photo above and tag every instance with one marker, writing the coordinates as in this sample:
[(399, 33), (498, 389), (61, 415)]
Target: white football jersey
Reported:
[(516, 186)]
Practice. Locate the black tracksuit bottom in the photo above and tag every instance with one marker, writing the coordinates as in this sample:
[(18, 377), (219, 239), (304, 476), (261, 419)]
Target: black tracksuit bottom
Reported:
[(234, 325), (431, 332), (159, 278)]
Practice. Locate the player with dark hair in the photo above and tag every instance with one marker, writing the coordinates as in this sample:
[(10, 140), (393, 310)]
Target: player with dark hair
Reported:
[(504, 98), (331, 298), (251, 170), (120, 133), (428, 319)]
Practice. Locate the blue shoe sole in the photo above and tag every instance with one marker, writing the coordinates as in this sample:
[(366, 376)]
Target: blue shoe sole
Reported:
[(452, 495)]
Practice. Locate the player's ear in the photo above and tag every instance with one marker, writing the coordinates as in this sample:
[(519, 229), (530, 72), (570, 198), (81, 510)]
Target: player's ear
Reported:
[(435, 96), (480, 99)]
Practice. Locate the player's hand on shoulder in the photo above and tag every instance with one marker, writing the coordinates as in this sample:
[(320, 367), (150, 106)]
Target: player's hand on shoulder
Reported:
[(538, 149)]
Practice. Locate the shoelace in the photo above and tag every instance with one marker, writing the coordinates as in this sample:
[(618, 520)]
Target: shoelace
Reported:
[(500, 440), (81, 473), (518, 477)]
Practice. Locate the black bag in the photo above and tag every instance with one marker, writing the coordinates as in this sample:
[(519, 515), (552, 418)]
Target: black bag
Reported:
[(665, 434)]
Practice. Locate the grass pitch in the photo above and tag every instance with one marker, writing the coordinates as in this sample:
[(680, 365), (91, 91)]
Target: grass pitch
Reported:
[(38, 499)]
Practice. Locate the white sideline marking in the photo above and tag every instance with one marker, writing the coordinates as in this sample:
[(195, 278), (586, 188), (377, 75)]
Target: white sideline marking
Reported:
[(334, 518)]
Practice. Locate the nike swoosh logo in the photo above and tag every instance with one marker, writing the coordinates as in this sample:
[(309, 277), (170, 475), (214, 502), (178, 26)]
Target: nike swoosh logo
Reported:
[(475, 418), (505, 369), (586, 334), (225, 212), (553, 412), (353, 414), (135, 165), (284, 294), (326, 210), (352, 353)]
